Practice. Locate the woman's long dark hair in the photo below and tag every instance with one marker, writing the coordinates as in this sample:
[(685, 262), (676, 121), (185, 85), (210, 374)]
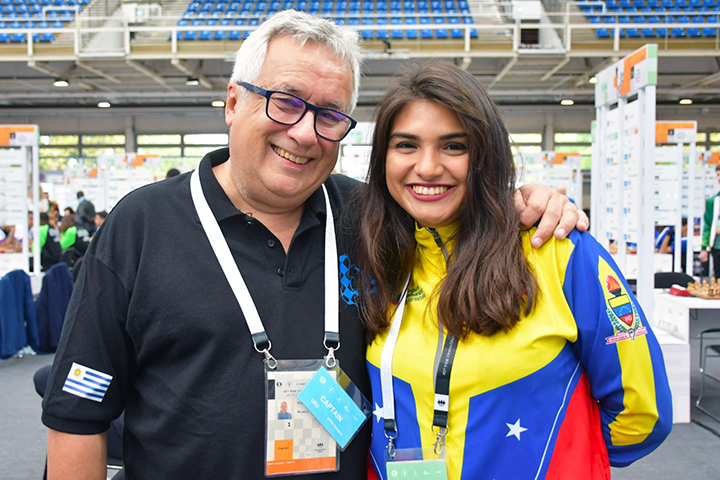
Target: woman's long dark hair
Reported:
[(489, 285)]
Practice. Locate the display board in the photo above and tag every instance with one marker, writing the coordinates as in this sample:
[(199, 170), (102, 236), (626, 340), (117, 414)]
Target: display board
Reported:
[(19, 174), (673, 181), (623, 167), (554, 169), (115, 176)]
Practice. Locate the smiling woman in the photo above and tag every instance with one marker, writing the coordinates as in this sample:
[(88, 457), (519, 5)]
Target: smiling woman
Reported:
[(488, 358), (427, 163)]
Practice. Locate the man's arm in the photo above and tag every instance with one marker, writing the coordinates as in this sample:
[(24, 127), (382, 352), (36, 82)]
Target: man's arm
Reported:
[(76, 457), (556, 213)]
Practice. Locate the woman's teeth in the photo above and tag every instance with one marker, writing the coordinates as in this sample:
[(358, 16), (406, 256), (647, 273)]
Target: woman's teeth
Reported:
[(429, 191)]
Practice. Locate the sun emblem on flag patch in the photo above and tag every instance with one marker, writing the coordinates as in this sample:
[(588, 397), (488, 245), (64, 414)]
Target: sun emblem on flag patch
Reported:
[(622, 313)]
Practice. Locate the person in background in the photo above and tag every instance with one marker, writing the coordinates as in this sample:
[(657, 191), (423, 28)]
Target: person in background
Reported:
[(73, 236), (173, 172), (85, 213), (52, 206), (100, 218), (8, 242), (54, 218), (179, 359), (503, 360), (711, 227), (50, 250), (68, 211), (667, 245)]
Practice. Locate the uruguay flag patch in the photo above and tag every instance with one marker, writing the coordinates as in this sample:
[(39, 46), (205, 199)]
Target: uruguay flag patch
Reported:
[(87, 383)]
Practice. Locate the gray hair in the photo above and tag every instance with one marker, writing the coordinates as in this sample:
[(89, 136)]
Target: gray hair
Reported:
[(302, 27)]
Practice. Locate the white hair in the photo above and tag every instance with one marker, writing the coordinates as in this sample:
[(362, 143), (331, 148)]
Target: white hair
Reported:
[(302, 27)]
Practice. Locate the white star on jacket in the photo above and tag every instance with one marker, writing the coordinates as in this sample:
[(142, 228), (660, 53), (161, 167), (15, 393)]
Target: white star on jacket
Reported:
[(379, 412), (515, 429)]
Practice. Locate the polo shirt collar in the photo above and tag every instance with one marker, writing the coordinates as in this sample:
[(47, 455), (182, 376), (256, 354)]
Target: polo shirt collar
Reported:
[(223, 208)]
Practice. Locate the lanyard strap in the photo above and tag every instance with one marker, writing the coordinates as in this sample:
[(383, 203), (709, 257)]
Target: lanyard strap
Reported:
[(442, 385), (442, 381), (242, 294)]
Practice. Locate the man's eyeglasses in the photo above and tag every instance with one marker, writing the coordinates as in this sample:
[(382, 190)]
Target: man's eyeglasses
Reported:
[(288, 109)]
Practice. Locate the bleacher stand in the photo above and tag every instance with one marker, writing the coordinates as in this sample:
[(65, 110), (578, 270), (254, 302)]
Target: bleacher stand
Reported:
[(36, 14), (393, 13)]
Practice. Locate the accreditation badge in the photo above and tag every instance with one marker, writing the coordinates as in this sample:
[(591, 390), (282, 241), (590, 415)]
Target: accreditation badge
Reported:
[(416, 463), (296, 442)]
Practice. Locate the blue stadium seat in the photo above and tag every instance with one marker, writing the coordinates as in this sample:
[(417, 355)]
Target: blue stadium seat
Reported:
[(379, 34), (647, 32), (395, 33), (181, 23), (681, 3), (411, 34), (222, 34), (366, 34), (455, 32), (638, 3), (611, 4), (236, 34), (625, 4), (470, 21), (440, 32), (653, 4), (603, 33), (193, 34)]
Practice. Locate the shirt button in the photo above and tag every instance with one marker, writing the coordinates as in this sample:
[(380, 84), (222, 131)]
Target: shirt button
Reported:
[(281, 271), (249, 223), (271, 243)]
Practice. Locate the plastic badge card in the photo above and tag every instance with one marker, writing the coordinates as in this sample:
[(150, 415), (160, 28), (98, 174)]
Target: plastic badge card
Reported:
[(425, 469), (334, 405), (416, 463), (296, 442)]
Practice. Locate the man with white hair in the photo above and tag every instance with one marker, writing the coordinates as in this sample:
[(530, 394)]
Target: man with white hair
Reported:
[(154, 327)]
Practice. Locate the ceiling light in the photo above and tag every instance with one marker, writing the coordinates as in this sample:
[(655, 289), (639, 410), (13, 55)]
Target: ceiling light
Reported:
[(60, 83), (685, 101), (104, 105), (592, 79), (218, 104), (567, 102), (192, 82)]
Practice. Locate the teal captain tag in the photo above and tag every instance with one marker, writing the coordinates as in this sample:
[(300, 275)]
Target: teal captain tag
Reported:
[(424, 469), (333, 407)]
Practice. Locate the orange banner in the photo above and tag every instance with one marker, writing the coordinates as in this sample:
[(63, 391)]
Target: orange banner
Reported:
[(7, 132), (630, 62), (561, 156), (662, 129)]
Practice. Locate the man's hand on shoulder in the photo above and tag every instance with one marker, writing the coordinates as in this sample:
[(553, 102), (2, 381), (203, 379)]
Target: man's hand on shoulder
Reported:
[(557, 214)]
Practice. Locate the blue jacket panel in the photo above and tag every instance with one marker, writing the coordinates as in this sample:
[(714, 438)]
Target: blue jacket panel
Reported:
[(18, 326), (51, 305)]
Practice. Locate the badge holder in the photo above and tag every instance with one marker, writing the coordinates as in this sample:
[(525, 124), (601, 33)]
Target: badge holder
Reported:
[(295, 441), (336, 403)]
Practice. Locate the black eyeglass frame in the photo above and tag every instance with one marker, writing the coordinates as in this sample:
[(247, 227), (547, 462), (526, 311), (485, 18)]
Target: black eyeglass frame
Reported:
[(308, 106)]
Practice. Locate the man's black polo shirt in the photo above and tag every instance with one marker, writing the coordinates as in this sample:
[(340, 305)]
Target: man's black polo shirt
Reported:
[(152, 308)]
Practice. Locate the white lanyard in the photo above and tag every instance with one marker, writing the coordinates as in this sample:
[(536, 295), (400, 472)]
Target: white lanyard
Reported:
[(386, 381), (239, 288), (442, 382)]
